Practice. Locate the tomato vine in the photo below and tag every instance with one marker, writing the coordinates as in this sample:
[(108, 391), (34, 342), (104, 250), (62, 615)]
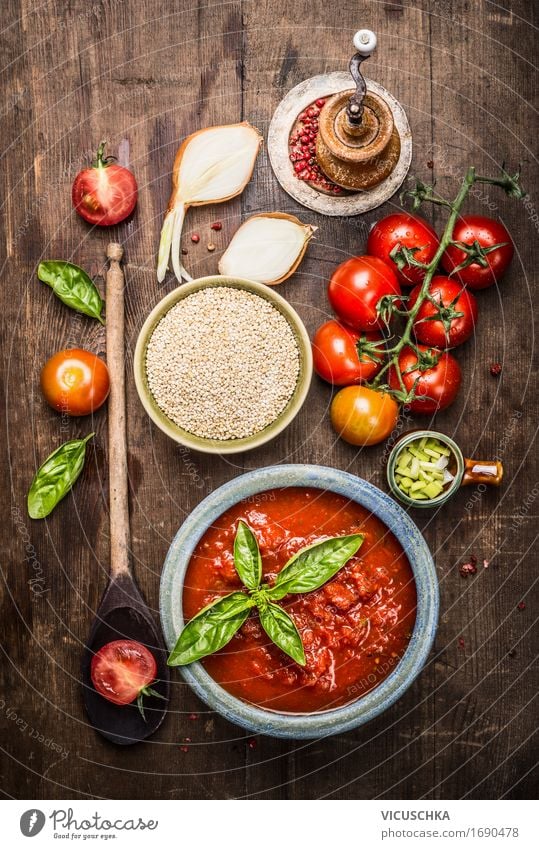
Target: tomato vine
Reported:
[(403, 256)]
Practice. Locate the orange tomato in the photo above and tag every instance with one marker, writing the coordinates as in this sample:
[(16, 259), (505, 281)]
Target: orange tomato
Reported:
[(363, 416), (75, 382)]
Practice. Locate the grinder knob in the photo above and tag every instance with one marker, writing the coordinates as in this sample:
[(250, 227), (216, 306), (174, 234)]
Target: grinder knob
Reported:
[(365, 42)]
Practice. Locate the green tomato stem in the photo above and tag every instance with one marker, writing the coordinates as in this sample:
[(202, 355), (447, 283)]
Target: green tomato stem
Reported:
[(406, 337)]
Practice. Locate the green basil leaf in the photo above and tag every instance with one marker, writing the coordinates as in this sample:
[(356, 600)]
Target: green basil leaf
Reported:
[(73, 286), (55, 477), (281, 630), (311, 567), (211, 629), (247, 559)]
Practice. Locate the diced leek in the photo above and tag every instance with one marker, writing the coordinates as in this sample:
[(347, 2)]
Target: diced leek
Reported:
[(433, 489), (421, 469)]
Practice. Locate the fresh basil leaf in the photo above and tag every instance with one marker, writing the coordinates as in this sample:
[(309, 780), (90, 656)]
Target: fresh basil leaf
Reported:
[(73, 286), (55, 477), (211, 629), (247, 559), (311, 567), (281, 630)]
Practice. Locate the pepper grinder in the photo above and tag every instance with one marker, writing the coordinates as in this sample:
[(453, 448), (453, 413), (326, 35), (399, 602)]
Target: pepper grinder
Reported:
[(362, 147)]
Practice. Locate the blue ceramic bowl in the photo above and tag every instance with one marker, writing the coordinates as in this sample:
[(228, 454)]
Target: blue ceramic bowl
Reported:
[(365, 708)]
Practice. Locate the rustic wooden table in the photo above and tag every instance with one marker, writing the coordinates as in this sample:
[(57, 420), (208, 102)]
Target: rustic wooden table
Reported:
[(143, 74)]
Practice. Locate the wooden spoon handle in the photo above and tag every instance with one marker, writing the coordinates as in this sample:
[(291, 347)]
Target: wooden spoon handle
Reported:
[(118, 491)]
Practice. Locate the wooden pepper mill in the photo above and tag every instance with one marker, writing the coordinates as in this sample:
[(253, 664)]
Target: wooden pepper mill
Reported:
[(358, 144)]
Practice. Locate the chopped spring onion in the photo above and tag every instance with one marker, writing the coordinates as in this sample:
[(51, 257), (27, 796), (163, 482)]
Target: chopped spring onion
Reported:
[(421, 469)]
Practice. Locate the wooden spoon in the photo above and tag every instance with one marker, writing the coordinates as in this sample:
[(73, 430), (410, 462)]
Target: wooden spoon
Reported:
[(122, 614)]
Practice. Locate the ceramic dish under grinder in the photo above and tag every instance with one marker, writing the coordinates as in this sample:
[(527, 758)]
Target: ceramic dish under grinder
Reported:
[(324, 722), (272, 333)]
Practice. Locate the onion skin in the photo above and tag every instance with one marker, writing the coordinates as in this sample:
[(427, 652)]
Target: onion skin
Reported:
[(308, 229)]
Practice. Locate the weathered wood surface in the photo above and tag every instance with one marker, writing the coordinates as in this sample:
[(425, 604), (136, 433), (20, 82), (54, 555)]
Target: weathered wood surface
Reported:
[(143, 74)]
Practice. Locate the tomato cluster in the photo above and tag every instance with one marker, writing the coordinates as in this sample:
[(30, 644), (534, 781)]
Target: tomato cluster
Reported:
[(365, 293)]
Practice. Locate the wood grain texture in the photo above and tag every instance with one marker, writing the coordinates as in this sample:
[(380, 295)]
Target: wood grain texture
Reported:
[(143, 74)]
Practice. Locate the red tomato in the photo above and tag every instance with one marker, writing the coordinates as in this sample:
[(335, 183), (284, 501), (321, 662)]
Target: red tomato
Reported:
[(104, 194), (407, 230), (452, 297), (356, 287), (75, 382), (121, 670), (437, 385), (363, 416), (336, 358), (487, 232)]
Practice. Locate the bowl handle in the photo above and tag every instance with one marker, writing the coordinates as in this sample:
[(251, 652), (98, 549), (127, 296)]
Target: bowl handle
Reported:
[(488, 472)]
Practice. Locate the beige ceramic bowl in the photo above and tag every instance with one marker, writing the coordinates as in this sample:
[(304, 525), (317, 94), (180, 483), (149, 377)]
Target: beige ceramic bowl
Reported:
[(222, 446)]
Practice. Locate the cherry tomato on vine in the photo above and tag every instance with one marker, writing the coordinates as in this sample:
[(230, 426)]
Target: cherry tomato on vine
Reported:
[(363, 416), (484, 233), (122, 670), (451, 298), (410, 231), (105, 193), (75, 382), (356, 287), (337, 354), (438, 378)]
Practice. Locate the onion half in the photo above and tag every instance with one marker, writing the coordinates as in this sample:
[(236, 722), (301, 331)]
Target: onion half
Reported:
[(267, 248), (211, 165)]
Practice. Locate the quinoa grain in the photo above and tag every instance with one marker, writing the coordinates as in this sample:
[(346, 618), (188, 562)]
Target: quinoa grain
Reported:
[(222, 363)]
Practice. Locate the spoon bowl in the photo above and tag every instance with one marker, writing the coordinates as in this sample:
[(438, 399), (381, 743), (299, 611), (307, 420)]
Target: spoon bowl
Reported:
[(123, 614)]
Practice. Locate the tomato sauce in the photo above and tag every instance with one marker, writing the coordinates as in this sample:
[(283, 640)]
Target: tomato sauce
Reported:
[(354, 629)]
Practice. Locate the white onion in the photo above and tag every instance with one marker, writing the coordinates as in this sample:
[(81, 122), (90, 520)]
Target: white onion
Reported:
[(267, 248), (211, 166)]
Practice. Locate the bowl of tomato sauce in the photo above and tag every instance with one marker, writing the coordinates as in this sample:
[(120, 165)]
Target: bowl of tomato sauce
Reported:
[(367, 632)]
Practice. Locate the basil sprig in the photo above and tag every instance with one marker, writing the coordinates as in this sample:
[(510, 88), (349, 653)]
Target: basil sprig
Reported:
[(215, 625), (73, 286), (55, 477)]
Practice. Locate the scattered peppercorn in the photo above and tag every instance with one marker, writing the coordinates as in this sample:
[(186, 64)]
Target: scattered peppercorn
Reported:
[(430, 164), (195, 238), (461, 643), (252, 743), (216, 225), (184, 252), (496, 369), (512, 653), (521, 605), (470, 568)]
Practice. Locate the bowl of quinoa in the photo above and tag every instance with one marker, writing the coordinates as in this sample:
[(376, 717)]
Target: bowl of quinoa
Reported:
[(222, 365)]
